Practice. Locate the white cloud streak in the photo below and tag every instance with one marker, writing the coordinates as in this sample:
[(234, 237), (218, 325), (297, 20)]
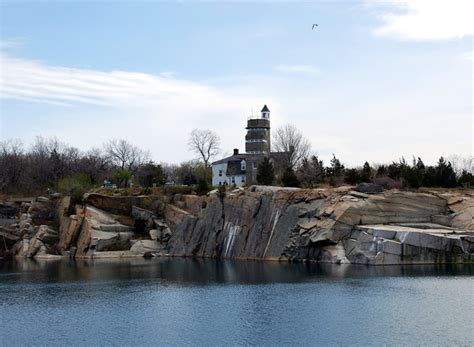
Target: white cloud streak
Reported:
[(34, 81), (427, 20)]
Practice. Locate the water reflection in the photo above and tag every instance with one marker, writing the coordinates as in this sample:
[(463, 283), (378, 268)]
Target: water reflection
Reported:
[(185, 271)]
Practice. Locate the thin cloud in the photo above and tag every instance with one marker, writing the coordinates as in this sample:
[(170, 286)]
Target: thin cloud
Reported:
[(38, 82), (427, 20), (306, 69)]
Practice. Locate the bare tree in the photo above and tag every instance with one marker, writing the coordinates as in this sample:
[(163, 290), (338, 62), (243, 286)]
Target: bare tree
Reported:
[(126, 155), (205, 143), (94, 163), (12, 163), (311, 171), (289, 140), (170, 171), (461, 163), (51, 159)]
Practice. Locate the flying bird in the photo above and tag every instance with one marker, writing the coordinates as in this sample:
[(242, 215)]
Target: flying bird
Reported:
[(314, 25)]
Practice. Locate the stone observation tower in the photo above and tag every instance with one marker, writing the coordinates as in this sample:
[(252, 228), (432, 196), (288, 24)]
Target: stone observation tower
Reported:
[(257, 142), (240, 169)]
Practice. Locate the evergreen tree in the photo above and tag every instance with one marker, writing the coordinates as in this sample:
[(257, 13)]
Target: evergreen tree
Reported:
[(445, 175), (352, 176), (336, 169), (366, 173), (394, 171), (202, 187), (429, 178), (466, 179), (381, 171), (397, 171), (414, 176), (150, 174), (289, 178), (265, 172)]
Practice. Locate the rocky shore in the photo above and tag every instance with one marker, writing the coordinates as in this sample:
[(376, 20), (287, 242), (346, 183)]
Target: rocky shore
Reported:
[(337, 225)]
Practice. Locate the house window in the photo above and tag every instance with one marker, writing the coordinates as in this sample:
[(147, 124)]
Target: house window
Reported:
[(233, 179), (220, 173), (254, 165), (242, 165), (243, 179)]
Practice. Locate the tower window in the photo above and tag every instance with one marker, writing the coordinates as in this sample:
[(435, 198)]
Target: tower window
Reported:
[(254, 165), (220, 173)]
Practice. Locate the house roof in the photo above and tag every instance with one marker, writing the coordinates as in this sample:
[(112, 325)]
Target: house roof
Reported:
[(243, 156), (236, 158), (265, 109), (234, 168)]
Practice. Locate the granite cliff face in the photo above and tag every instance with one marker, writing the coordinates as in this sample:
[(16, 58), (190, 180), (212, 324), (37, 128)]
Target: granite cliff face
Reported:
[(339, 226), (268, 223)]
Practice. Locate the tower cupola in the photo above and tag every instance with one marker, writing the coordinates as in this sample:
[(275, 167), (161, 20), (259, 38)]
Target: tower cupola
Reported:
[(265, 112)]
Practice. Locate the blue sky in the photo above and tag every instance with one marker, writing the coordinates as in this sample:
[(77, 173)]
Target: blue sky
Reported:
[(375, 81)]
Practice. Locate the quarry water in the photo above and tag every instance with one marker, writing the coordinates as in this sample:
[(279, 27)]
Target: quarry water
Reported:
[(219, 303)]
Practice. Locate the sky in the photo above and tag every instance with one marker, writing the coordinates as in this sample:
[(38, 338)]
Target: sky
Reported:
[(373, 81)]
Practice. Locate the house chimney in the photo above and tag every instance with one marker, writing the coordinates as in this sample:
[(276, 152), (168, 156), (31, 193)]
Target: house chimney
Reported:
[(236, 151)]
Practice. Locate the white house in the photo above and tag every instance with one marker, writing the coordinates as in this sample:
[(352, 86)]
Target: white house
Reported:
[(230, 170)]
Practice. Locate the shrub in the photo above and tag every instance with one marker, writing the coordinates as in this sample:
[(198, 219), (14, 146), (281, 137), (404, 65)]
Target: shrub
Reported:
[(75, 186), (352, 176), (289, 178), (265, 172), (202, 187), (388, 183)]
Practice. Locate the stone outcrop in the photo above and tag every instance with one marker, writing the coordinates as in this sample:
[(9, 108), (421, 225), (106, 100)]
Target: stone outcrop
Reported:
[(69, 230), (270, 223), (323, 226), (122, 205), (101, 232)]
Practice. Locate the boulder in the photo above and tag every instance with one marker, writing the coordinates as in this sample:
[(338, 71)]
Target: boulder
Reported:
[(335, 254), (69, 230), (154, 234), (369, 188), (111, 241), (47, 235), (101, 230), (142, 247), (61, 208), (42, 212), (34, 246), (463, 212)]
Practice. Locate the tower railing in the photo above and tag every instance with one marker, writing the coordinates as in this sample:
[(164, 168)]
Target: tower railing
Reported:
[(259, 116)]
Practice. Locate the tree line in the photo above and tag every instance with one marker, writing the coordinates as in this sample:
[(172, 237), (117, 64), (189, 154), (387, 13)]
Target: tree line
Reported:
[(298, 168), (312, 173), (51, 164)]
